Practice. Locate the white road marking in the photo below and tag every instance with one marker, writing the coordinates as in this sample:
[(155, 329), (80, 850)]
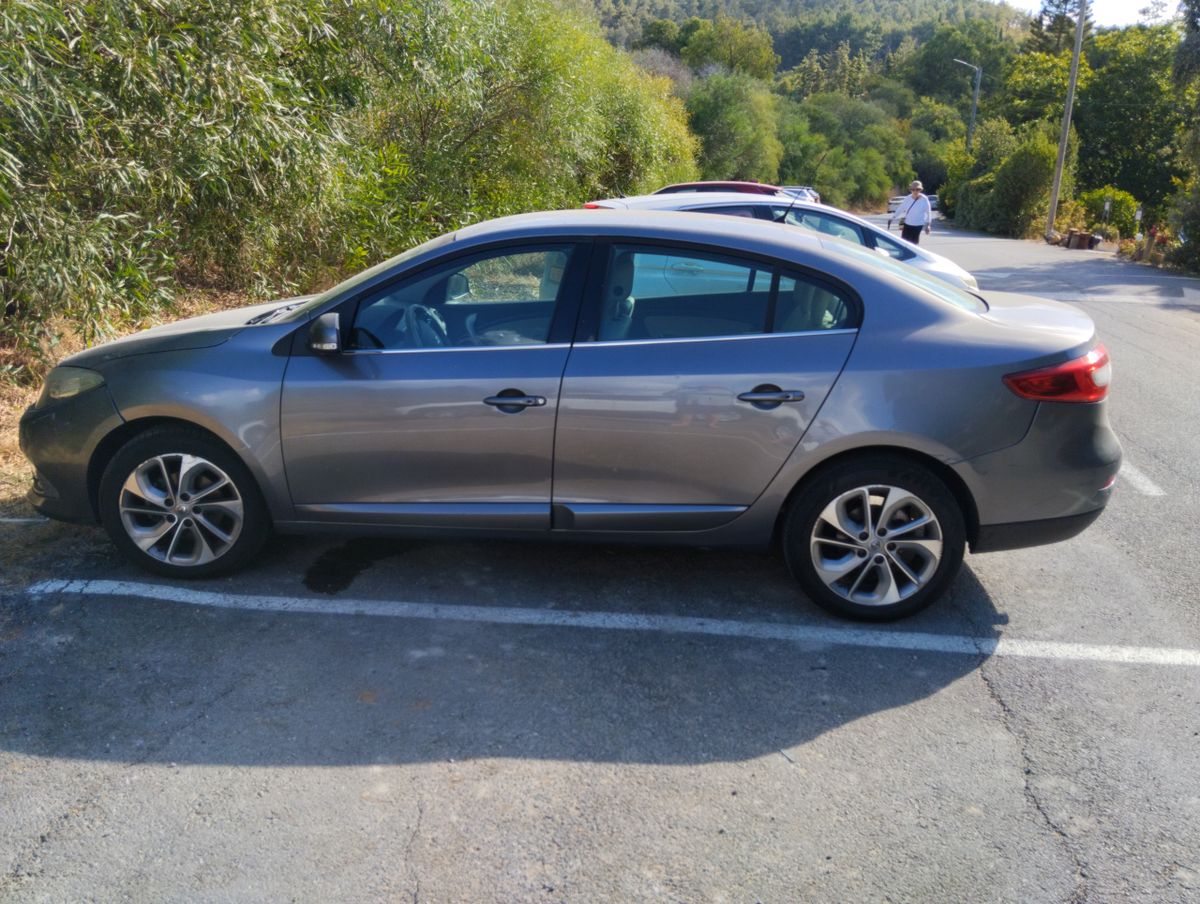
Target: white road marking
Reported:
[(1140, 481), (38, 520), (628, 621)]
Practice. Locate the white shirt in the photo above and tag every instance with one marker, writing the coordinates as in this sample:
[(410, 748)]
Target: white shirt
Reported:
[(915, 211)]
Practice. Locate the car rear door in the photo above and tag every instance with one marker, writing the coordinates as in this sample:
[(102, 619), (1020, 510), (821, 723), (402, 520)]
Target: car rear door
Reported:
[(678, 407), (440, 411)]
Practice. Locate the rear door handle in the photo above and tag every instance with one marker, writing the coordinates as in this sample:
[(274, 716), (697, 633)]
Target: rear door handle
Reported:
[(513, 403), (771, 397)]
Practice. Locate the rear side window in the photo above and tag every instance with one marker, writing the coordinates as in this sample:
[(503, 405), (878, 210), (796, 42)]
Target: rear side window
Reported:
[(664, 293), (806, 305), (728, 211)]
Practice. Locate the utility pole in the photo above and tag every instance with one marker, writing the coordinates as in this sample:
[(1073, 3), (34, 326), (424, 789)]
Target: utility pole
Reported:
[(1056, 186), (974, 100)]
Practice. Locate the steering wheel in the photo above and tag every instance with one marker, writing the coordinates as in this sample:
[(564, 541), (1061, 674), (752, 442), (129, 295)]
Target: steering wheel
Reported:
[(425, 327)]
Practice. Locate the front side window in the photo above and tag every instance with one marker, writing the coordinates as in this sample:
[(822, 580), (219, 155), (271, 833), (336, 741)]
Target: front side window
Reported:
[(498, 298), (659, 293)]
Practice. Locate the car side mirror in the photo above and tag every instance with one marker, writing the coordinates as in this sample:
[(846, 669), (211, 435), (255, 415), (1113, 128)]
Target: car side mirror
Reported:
[(882, 252), (325, 334), (457, 286)]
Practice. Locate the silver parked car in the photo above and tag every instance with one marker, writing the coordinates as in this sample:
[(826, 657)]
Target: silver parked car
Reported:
[(816, 217), (609, 376)]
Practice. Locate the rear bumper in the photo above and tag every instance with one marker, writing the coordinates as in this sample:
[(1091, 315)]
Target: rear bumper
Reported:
[(1051, 485), (996, 537)]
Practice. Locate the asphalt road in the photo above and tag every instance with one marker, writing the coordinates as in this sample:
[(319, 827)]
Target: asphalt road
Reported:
[(429, 721)]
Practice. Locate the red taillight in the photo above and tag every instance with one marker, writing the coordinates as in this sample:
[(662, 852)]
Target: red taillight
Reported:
[(592, 205), (1084, 379)]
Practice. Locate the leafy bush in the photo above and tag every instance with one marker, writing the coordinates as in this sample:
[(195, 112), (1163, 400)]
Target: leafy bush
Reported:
[(1124, 206), (736, 118), (268, 145)]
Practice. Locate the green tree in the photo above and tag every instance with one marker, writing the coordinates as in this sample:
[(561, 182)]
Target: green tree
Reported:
[(1035, 86), (736, 120), (932, 72), (1130, 117), (737, 46), (1052, 30)]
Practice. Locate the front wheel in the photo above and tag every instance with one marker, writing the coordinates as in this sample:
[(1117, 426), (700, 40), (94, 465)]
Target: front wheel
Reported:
[(874, 539), (179, 503)]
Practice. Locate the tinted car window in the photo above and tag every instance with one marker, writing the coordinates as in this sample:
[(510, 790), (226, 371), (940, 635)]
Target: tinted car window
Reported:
[(824, 223), (805, 304), (729, 211), (505, 297), (893, 248), (657, 293)]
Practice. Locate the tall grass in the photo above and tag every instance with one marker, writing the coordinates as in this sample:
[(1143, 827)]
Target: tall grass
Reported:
[(271, 145)]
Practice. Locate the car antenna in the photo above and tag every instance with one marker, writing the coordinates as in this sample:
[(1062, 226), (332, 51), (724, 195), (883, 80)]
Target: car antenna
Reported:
[(783, 218)]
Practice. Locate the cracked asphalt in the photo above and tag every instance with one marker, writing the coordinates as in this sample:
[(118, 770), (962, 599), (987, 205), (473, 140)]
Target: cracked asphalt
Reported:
[(163, 751)]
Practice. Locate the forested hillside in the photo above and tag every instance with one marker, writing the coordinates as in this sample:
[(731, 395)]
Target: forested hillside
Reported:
[(857, 98)]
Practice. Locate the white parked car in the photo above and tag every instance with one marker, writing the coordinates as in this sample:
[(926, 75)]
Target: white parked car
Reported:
[(816, 217)]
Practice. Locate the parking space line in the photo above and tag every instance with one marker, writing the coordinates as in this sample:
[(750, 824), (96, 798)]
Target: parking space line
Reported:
[(38, 520), (1140, 481), (630, 621)]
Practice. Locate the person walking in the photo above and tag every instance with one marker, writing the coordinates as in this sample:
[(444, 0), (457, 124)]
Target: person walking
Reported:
[(915, 214)]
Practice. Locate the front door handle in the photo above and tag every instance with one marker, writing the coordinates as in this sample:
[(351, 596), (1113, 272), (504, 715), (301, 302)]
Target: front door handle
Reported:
[(510, 401), (762, 396)]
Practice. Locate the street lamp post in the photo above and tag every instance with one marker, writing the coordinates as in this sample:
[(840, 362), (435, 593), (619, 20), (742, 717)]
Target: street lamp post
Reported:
[(1056, 185), (974, 100)]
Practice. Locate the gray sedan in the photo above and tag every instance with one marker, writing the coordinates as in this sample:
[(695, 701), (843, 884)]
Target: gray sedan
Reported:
[(608, 376)]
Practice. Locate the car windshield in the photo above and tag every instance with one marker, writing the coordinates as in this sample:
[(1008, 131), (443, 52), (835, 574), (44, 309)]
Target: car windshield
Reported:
[(914, 277), (302, 311)]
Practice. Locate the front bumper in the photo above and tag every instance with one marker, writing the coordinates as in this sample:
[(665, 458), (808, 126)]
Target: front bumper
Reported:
[(60, 440), (1051, 485)]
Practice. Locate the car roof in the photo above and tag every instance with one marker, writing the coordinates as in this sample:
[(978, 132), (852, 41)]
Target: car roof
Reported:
[(700, 227), (721, 199), (734, 185)]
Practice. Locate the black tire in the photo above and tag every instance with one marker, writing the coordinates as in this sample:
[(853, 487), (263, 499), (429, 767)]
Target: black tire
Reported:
[(199, 534), (879, 472)]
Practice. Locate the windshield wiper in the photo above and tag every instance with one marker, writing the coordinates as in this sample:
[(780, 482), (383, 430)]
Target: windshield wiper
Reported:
[(274, 312)]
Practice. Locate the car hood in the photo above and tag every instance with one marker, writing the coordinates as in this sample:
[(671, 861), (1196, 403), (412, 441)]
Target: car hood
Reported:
[(204, 331)]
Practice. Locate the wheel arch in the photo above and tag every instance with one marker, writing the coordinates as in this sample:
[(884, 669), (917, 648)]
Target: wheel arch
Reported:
[(123, 433), (954, 483)]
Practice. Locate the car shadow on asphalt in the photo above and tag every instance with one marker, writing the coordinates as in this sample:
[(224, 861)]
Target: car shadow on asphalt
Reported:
[(142, 680)]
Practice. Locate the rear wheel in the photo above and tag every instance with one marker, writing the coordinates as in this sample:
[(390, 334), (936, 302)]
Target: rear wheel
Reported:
[(874, 538), (179, 503)]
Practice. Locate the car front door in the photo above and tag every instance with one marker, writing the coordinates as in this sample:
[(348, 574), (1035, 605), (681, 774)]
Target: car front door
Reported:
[(440, 409), (678, 407)]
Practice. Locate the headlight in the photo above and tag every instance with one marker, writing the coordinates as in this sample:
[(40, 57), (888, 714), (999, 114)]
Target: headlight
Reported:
[(65, 382)]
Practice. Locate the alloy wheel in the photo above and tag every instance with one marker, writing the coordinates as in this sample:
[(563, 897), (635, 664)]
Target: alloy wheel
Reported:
[(876, 545), (181, 509)]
